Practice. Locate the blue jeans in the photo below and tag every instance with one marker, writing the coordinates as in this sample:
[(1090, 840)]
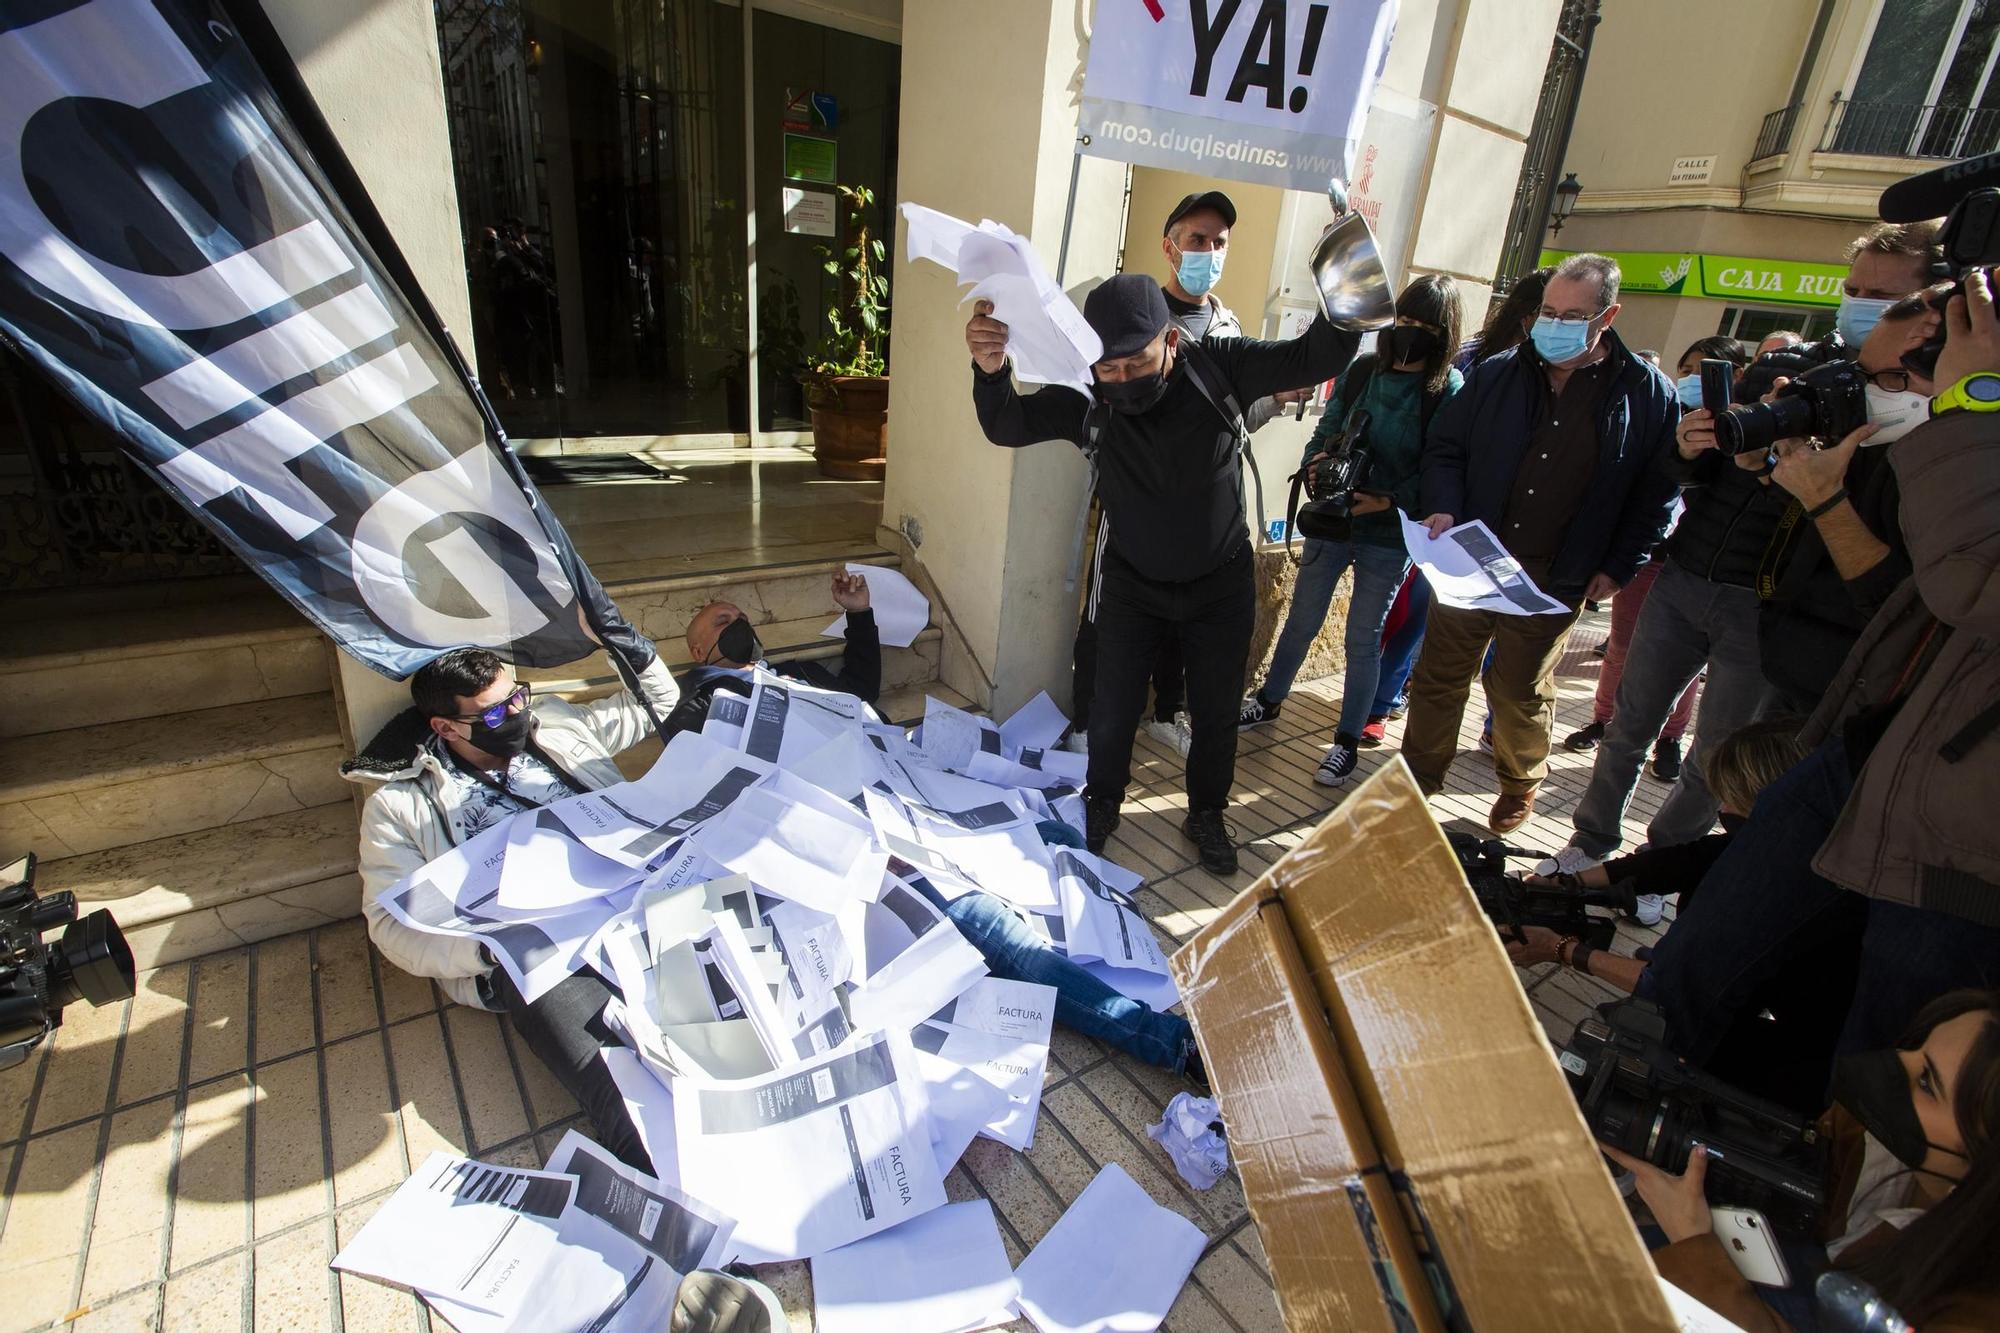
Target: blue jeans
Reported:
[(1399, 652), (1015, 953), (1378, 573)]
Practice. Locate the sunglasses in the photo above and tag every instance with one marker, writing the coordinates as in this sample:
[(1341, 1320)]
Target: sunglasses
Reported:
[(497, 714)]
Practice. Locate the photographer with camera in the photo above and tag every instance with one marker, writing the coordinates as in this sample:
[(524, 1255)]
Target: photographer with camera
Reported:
[(1555, 444), (1164, 432), (1363, 460), (1704, 613), (1912, 1182)]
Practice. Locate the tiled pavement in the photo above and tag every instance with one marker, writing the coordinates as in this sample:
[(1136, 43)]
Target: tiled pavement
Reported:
[(191, 1159)]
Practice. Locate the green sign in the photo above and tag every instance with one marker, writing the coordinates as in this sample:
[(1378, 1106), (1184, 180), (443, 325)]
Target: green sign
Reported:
[(810, 159), (1725, 277)]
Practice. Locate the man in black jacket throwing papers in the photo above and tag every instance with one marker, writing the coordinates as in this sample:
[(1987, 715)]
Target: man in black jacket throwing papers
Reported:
[(1165, 437)]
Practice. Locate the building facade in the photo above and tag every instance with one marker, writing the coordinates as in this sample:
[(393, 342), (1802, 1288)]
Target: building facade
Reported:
[(1729, 153)]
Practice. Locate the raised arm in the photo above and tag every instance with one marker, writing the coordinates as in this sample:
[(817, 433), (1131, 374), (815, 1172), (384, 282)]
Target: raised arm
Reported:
[(1007, 416), (1258, 369)]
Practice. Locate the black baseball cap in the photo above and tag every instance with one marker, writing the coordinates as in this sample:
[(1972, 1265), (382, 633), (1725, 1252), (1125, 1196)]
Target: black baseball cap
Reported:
[(1127, 312), (1214, 199)]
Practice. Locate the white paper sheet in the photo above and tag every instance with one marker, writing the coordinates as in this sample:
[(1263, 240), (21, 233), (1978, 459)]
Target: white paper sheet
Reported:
[(812, 1157), (1013, 864), (901, 609), (794, 850), (789, 721), (549, 870), (1115, 1260), (938, 1273), (951, 736), (1017, 1068), (962, 1103), (1021, 1010), (650, 1104), (460, 1229), (1468, 568), (909, 959), (1100, 920), (1036, 724)]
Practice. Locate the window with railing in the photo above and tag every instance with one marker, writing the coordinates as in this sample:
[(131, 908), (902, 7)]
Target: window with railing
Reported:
[(1926, 86), (1776, 135)]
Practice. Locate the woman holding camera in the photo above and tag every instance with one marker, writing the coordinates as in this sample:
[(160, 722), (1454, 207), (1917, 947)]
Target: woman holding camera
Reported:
[(1398, 388), (1913, 1183)]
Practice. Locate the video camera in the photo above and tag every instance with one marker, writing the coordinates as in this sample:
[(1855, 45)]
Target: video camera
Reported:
[(1332, 482), (91, 962), (1512, 903), (1640, 1098), (1967, 195)]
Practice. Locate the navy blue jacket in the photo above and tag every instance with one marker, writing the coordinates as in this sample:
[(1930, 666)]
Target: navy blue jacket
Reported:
[(1481, 433)]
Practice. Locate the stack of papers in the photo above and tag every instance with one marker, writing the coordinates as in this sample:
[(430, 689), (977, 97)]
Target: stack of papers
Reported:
[(810, 1042)]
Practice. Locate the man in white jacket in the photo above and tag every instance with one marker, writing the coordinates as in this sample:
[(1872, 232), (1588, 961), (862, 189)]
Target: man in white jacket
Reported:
[(476, 748)]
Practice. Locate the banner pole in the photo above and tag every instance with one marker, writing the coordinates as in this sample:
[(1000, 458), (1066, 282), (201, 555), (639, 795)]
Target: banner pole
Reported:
[(258, 34), (1069, 208)]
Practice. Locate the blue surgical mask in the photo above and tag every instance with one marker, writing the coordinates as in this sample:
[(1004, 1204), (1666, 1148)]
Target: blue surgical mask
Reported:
[(1199, 270), (1560, 340), (1857, 316), (1688, 388)]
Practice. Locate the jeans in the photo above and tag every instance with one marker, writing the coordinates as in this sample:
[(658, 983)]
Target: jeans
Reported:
[(565, 1029), (1687, 621), (1399, 651), (1015, 953), (1625, 608), (1378, 574), (1211, 618)]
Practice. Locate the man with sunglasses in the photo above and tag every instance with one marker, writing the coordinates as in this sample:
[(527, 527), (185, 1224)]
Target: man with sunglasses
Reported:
[(1766, 585), (1555, 445), (476, 748)]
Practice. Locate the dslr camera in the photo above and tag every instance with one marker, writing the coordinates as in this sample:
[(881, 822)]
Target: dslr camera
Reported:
[(1827, 400), (91, 962), (1639, 1097)]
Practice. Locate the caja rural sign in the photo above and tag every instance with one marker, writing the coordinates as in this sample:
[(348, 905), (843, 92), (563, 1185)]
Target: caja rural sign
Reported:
[(1271, 91)]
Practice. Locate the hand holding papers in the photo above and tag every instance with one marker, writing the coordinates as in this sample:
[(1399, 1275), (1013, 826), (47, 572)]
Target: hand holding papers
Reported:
[(901, 612), (1468, 568), (1047, 335)]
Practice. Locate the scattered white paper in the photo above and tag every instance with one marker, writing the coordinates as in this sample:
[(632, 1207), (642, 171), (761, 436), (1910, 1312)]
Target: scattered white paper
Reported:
[(1036, 725), (474, 1234), (939, 1273), (962, 1104), (811, 1157), (650, 1105), (1189, 1130), (1016, 1068), (951, 736), (1101, 923), (901, 609), (1469, 569), (795, 850), (1115, 1260), (549, 870), (910, 959)]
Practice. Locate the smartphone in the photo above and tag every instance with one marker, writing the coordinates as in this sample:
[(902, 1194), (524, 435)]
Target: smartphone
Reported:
[(1718, 378), (1746, 1237)]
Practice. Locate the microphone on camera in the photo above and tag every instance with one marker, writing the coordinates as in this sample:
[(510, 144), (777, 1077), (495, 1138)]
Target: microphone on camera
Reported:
[(1932, 195)]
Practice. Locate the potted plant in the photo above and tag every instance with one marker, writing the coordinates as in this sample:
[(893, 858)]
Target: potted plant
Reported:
[(846, 381)]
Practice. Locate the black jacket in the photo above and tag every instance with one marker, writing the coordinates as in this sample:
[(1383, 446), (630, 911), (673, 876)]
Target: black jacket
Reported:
[(1476, 443), (1168, 477), (1811, 616), (860, 675), (1726, 534)]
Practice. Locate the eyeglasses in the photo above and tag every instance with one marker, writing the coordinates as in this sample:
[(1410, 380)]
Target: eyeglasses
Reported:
[(497, 714), (1894, 381), (1572, 315)]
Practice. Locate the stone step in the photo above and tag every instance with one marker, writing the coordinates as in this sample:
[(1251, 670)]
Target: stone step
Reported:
[(87, 789), (195, 893)]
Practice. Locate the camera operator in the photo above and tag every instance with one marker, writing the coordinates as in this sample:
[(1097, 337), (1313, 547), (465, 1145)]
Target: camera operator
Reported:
[(1913, 1175), (1894, 804), (1166, 442), (1839, 551), (1704, 612)]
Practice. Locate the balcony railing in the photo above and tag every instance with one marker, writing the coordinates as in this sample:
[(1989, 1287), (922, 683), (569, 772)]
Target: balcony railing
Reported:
[(1776, 136), (1910, 129)]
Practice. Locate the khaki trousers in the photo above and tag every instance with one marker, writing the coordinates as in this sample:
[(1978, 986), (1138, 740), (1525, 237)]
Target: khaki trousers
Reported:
[(1520, 689)]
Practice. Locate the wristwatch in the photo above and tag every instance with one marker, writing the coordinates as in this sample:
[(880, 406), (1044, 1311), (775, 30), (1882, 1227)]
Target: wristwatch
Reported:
[(1977, 392)]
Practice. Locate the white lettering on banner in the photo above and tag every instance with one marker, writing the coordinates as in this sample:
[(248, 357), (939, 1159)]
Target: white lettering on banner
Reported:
[(122, 51), (1264, 90)]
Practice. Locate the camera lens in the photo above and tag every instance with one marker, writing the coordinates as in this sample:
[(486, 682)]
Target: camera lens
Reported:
[(92, 963), (1754, 429)]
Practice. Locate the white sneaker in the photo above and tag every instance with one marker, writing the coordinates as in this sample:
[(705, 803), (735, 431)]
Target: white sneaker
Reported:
[(1164, 733), (1078, 742), (1337, 767), (1183, 733), (1571, 860), (1648, 913)]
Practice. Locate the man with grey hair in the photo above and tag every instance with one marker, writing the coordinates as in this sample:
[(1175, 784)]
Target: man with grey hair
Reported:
[(1556, 446)]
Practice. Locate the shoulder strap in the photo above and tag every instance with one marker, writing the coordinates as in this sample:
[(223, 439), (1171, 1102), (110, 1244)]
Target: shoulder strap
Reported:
[(1094, 418), (1355, 383), (1221, 396)]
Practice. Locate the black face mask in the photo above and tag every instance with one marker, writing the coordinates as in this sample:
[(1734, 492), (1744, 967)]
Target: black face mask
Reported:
[(1135, 395), (1875, 1088), (506, 740), (738, 642), (1409, 344)]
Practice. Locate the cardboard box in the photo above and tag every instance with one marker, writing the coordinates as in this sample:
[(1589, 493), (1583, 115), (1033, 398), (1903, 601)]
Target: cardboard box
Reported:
[(1413, 1155)]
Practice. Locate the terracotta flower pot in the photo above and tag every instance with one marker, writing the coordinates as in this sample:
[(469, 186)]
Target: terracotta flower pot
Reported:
[(850, 416)]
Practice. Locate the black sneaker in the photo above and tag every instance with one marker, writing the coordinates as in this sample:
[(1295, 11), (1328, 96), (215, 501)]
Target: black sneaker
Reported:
[(1210, 834), (1586, 740), (1338, 766), (1256, 712), (1100, 821), (1666, 765)]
